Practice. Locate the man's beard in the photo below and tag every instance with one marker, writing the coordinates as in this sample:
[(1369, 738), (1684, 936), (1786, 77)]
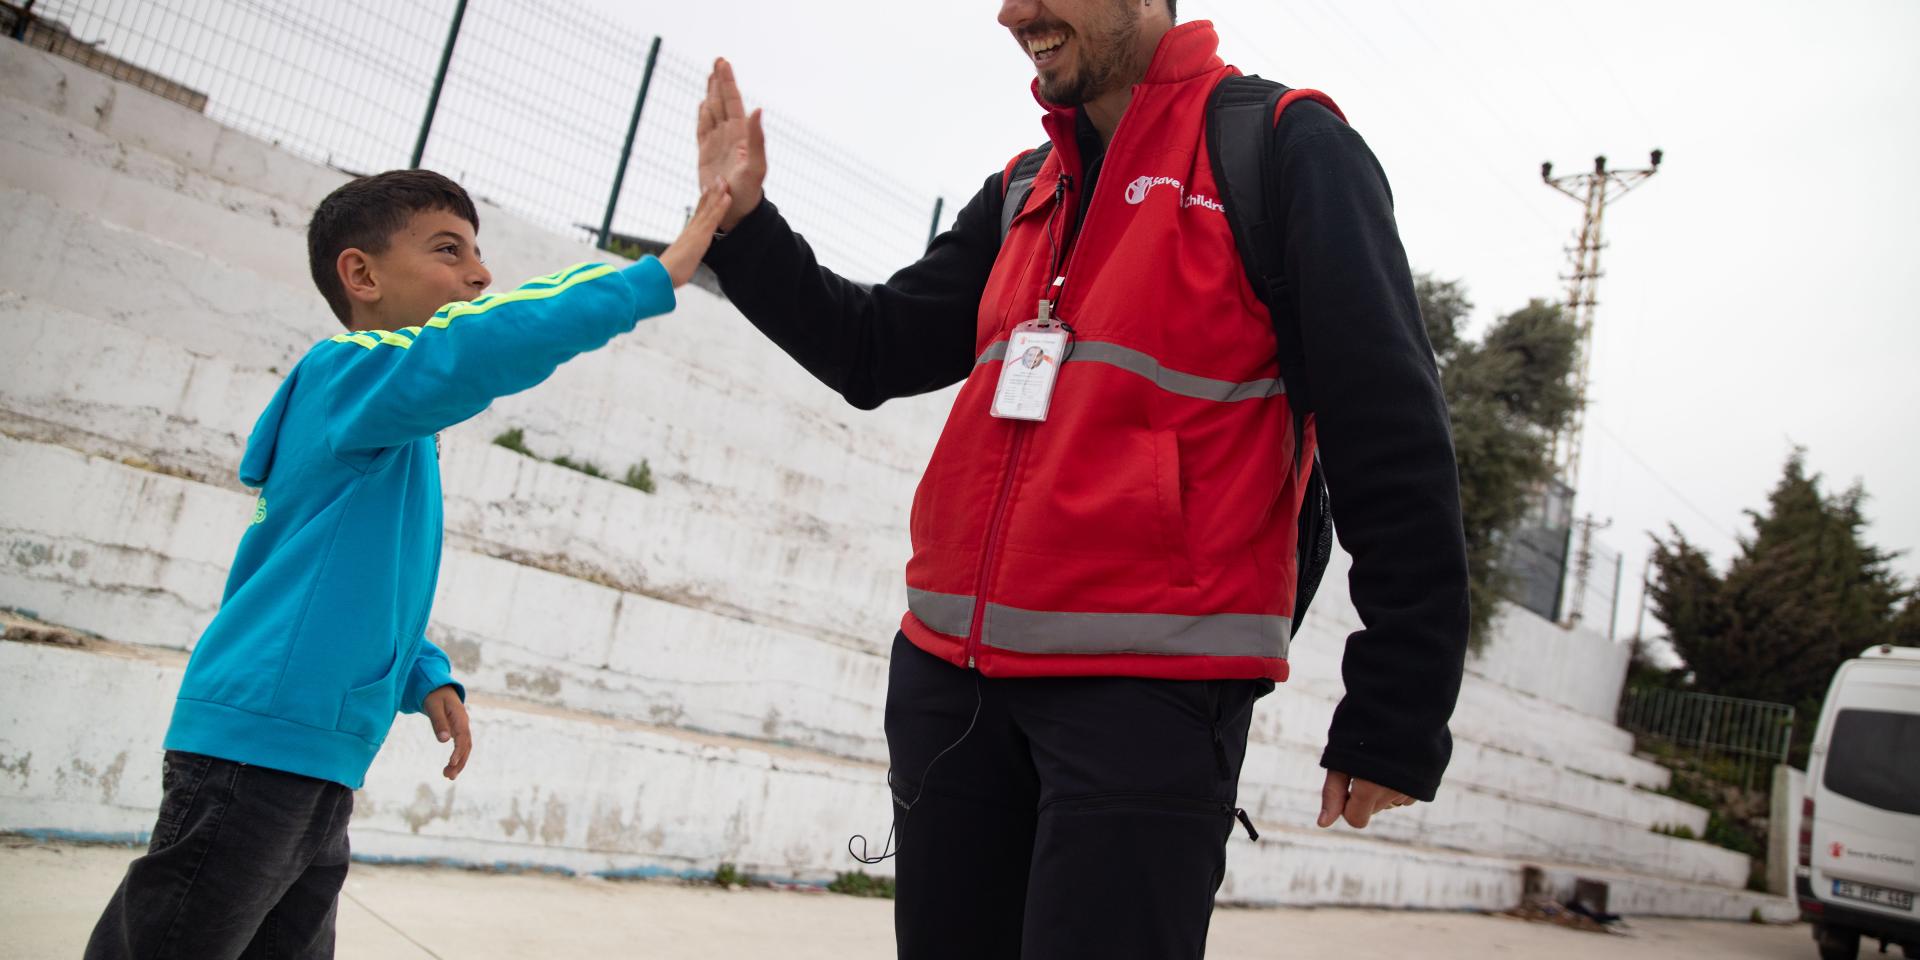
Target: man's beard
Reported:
[(1105, 57)]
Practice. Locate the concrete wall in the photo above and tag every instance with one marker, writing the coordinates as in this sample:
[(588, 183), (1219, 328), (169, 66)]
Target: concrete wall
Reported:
[(661, 682), (1783, 834), (1577, 668)]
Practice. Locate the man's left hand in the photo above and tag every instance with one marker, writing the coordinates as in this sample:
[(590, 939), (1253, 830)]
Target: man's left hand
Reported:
[(1356, 799)]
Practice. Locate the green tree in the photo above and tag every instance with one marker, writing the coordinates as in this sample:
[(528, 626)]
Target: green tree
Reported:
[(1506, 394), (1803, 593)]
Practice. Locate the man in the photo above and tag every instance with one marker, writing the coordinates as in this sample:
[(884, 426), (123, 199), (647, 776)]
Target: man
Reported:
[(1098, 594)]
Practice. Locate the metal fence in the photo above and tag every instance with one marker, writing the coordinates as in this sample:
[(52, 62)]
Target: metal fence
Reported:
[(1744, 739), (530, 105), (1534, 553)]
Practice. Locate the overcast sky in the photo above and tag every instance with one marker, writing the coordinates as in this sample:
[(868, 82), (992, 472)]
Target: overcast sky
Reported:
[(1757, 291)]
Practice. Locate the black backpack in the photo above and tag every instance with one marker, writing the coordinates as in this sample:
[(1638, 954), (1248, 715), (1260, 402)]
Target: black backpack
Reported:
[(1239, 138)]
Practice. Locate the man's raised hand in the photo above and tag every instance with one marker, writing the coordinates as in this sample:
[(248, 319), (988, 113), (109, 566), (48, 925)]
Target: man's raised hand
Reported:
[(733, 147)]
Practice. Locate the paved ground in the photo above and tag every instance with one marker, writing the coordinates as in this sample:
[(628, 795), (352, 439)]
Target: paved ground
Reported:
[(50, 895)]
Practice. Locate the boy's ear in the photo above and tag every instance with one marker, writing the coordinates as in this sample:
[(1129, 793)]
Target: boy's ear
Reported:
[(356, 276)]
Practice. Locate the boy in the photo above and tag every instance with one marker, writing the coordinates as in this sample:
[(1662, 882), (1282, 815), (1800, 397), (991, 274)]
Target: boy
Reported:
[(319, 637)]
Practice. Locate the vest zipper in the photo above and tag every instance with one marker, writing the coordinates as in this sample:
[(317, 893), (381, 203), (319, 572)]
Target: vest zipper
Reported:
[(1070, 246), (1000, 504)]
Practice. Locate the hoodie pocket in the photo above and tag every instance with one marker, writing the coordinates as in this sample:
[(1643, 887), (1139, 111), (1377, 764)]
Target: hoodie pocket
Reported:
[(367, 711)]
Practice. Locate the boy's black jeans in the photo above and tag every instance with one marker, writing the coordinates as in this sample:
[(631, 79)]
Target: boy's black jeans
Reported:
[(245, 862), (1081, 817)]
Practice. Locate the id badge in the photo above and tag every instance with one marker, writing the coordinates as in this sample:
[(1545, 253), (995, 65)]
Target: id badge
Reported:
[(1029, 370)]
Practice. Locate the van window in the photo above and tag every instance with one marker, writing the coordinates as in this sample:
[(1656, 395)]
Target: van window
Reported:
[(1874, 757)]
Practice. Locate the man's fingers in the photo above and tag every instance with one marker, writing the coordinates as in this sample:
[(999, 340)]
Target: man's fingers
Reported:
[(735, 108), (1366, 800), (1359, 815), (756, 141), (1333, 797)]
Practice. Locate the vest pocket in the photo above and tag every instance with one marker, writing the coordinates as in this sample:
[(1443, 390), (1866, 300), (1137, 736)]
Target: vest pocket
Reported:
[(1173, 518), (367, 711)]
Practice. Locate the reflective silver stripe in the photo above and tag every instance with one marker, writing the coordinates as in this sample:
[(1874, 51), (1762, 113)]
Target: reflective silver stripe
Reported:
[(1213, 635), (1033, 631), (944, 612), (1172, 381)]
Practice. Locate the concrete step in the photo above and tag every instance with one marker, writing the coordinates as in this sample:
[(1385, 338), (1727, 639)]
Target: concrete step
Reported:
[(559, 789), (1306, 867)]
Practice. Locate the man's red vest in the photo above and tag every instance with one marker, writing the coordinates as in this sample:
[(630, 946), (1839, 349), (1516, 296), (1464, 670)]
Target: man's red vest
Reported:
[(1147, 527)]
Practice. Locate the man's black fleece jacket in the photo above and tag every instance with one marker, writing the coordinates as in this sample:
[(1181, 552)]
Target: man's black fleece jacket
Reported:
[(1382, 422)]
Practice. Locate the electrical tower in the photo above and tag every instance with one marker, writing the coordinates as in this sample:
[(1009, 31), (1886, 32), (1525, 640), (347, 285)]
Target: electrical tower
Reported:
[(1583, 567), (1594, 191)]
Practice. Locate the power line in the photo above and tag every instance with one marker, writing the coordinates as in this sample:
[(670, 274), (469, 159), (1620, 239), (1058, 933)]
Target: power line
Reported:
[(1409, 84), (1658, 478), (1416, 119), (1594, 49)]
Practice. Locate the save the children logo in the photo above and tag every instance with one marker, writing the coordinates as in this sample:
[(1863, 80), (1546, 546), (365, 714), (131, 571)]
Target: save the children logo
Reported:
[(259, 511), (1137, 193), (1137, 190)]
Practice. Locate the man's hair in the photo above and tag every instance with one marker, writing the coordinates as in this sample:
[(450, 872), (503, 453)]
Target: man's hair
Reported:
[(366, 212), (1172, 14)]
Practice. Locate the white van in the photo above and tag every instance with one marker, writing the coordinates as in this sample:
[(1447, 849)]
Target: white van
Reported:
[(1860, 824)]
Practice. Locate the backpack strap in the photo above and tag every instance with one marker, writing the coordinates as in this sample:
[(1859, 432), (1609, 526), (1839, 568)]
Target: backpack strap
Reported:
[(1241, 114), (1019, 183)]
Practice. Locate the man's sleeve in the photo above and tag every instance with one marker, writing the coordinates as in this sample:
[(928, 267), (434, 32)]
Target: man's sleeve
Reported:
[(913, 334), (1387, 449)]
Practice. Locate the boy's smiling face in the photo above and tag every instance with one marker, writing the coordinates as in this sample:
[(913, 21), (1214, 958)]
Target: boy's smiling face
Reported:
[(431, 261)]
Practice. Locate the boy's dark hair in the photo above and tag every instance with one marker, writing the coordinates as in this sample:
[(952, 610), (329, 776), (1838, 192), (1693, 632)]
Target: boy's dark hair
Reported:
[(365, 212)]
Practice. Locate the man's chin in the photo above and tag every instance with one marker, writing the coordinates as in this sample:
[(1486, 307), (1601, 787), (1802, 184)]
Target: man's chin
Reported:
[(1062, 93)]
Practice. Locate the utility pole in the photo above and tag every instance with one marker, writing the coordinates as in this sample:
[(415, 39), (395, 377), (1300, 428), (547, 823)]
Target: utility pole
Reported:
[(1594, 191), (1646, 586), (1583, 565)]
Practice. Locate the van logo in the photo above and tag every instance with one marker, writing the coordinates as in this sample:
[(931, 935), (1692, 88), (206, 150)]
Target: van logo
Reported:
[(1838, 850)]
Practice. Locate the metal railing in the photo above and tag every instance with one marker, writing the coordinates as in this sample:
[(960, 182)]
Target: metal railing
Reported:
[(577, 123), (1744, 739)]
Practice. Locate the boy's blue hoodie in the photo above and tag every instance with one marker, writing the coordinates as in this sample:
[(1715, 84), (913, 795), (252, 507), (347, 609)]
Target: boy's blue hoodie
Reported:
[(320, 634)]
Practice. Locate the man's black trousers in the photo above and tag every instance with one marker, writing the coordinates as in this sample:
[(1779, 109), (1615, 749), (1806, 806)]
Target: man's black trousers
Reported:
[(1080, 816)]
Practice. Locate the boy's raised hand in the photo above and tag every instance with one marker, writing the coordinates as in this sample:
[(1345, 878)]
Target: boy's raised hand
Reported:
[(449, 717), (684, 254)]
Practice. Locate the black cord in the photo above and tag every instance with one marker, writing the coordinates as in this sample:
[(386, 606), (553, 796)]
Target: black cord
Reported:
[(906, 806)]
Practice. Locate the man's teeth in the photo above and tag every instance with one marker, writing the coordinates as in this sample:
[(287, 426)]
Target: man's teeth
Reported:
[(1039, 46)]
